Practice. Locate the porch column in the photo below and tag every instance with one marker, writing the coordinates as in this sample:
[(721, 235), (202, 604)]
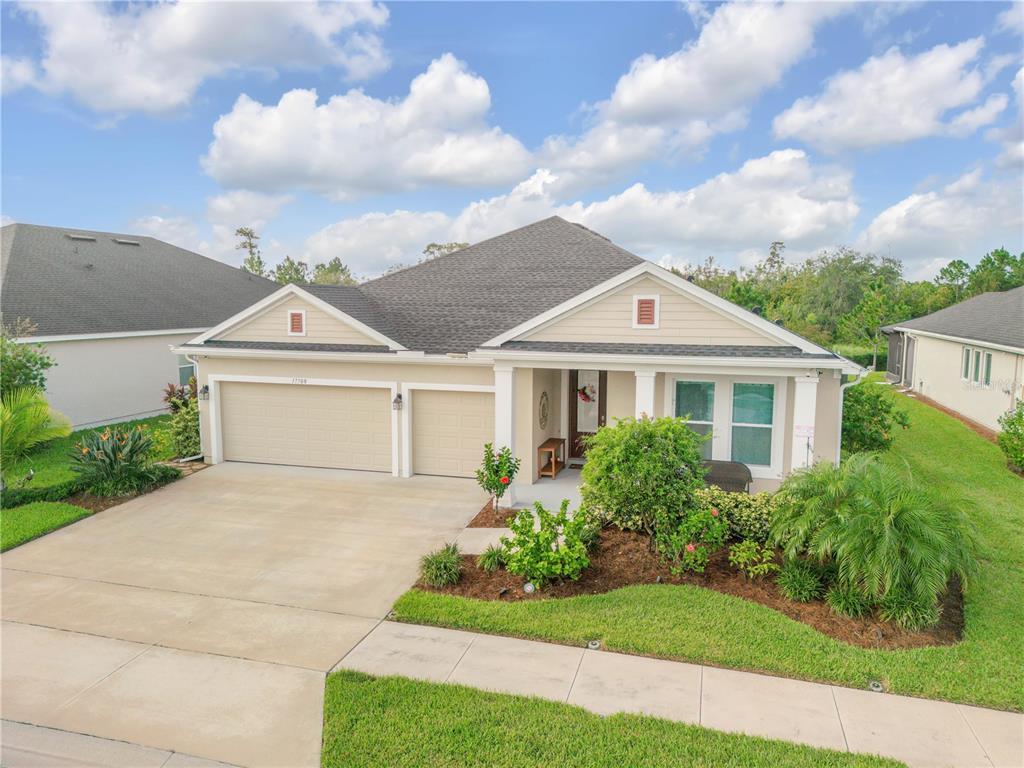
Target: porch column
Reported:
[(645, 394), (805, 395), (504, 407)]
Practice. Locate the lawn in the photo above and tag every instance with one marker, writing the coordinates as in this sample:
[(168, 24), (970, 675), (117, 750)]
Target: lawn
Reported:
[(51, 463), (396, 721), (30, 521), (699, 625)]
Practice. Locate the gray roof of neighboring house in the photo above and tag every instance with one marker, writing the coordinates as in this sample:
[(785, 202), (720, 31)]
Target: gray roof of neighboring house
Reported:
[(996, 318), (455, 303), (84, 286), (671, 350), (290, 346)]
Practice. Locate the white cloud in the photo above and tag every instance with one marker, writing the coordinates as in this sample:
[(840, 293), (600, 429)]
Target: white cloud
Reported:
[(15, 74), (1012, 135), (779, 196), (176, 230), (1012, 19), (963, 220), (894, 98), (354, 144), (153, 57)]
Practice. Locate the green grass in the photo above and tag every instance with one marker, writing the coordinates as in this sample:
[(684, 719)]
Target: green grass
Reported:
[(52, 465), (30, 521), (695, 624), (387, 721)]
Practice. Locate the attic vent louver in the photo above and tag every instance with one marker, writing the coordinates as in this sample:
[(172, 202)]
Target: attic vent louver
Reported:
[(89, 238), (126, 242)]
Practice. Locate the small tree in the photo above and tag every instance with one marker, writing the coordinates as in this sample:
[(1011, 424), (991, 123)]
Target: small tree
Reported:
[(291, 271), (334, 272), (497, 471), (643, 473), (870, 418), (22, 364), (433, 250), (253, 261), (185, 428)]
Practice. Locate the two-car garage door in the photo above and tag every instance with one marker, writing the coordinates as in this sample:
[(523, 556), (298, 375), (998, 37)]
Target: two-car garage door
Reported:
[(350, 427)]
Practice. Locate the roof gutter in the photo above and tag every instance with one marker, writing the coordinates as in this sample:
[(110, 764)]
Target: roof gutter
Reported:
[(959, 339)]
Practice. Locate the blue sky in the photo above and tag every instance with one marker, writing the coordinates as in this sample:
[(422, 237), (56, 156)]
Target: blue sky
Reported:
[(680, 130)]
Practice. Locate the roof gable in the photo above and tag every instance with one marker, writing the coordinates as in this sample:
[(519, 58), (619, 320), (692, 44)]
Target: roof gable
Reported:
[(993, 318)]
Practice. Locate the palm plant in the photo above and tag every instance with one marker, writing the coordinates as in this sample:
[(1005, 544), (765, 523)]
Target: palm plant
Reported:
[(890, 539), (27, 421)]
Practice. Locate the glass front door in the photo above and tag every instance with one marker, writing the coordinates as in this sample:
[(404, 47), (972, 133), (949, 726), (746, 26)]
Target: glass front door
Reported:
[(587, 407)]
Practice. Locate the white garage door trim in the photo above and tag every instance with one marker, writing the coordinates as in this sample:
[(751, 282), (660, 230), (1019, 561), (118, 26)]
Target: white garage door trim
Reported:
[(408, 401), (216, 438)]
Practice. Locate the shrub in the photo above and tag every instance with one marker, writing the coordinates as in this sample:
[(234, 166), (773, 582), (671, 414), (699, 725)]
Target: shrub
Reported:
[(26, 421), (870, 418), (749, 516), (22, 365), (497, 471), (547, 545), (641, 470), (442, 567), (799, 581), (185, 429), (116, 461), (492, 558), (888, 537), (754, 559), (687, 546), (16, 497), (904, 611), (847, 601), (1011, 438)]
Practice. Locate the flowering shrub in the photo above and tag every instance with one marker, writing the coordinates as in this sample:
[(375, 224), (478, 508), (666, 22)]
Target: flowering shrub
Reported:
[(1011, 439), (547, 545), (116, 461), (497, 471), (687, 546), (749, 515)]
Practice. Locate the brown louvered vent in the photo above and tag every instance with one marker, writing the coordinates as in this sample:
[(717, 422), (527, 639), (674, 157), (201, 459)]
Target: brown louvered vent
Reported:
[(645, 312), (295, 323)]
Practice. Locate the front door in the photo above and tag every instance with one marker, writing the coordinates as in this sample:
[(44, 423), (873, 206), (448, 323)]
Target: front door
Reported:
[(587, 407)]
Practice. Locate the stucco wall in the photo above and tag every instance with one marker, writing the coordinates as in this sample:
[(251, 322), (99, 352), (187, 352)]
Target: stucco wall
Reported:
[(681, 321), (937, 374), (106, 380)]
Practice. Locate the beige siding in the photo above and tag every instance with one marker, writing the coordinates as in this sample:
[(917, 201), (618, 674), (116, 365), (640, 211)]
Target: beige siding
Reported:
[(272, 325), (937, 374), (449, 430), (681, 321), (311, 426), (621, 395), (100, 381)]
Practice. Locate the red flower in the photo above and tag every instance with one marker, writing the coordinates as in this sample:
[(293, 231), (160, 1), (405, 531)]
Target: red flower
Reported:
[(504, 480), (714, 512), (690, 547)]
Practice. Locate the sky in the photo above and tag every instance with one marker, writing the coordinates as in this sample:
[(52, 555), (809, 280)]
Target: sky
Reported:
[(681, 131)]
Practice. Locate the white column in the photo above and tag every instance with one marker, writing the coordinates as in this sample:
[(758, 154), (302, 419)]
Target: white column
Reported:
[(645, 394), (504, 407), (805, 396)]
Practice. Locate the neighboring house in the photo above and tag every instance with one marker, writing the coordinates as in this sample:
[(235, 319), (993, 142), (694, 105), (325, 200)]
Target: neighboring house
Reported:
[(547, 331), (968, 357), (108, 307)]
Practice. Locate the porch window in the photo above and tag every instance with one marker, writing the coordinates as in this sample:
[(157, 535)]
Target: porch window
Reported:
[(695, 400), (966, 370), (753, 406)]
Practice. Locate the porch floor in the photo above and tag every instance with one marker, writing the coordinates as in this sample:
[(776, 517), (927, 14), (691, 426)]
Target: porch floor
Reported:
[(550, 492)]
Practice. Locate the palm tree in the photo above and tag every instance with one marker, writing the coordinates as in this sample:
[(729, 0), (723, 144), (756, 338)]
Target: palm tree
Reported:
[(27, 421)]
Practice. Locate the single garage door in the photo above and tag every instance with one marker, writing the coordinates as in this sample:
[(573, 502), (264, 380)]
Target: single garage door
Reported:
[(309, 426), (449, 430)]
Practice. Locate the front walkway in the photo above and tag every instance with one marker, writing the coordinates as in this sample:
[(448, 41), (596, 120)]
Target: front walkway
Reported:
[(919, 732)]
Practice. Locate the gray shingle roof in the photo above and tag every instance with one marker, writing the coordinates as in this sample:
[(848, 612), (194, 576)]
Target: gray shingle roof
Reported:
[(996, 318), (455, 303), (99, 285), (669, 350), (290, 346)]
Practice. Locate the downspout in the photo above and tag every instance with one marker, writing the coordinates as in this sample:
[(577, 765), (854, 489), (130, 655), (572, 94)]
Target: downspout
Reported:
[(842, 393)]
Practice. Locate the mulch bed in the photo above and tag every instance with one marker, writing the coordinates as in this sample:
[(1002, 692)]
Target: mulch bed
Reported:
[(623, 558), (489, 517), (100, 503)]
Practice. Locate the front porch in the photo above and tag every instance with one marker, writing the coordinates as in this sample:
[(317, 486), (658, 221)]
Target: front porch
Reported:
[(772, 420)]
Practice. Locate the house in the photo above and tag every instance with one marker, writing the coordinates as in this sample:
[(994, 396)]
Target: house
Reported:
[(548, 331), (968, 357), (107, 307)]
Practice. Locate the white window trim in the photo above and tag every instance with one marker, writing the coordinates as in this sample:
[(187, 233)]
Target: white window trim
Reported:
[(187, 364), (986, 369), (978, 359), (289, 326), (637, 298), (721, 429), (969, 354)]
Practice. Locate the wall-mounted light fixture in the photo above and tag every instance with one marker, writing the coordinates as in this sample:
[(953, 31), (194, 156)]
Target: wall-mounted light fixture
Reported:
[(396, 404), (204, 392)]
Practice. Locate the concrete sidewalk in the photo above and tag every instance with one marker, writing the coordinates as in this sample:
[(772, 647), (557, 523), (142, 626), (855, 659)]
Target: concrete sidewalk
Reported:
[(919, 732)]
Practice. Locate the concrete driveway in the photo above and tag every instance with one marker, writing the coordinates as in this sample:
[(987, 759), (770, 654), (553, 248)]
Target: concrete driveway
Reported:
[(202, 618)]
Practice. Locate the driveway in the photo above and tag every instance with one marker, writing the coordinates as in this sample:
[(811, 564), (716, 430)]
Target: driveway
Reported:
[(202, 618)]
